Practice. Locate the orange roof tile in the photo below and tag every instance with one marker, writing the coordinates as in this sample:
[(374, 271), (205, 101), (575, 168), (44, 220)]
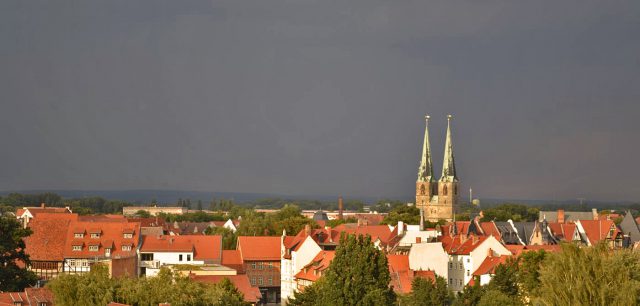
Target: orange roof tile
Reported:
[(315, 269), (562, 231), (47, 242), (515, 249), (259, 248), (597, 230), (30, 296), (490, 228), (232, 259), (488, 266), (251, 294), (111, 232), (457, 246)]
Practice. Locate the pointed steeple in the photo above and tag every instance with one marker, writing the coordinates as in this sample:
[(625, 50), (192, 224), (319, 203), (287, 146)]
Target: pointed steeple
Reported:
[(425, 171), (449, 165)]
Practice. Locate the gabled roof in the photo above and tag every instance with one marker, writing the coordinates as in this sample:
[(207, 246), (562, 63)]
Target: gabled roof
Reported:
[(525, 231), (562, 231), (459, 245), (314, 270), (42, 209), (569, 216), (251, 294), (629, 228), (488, 266), (259, 248), (597, 230), (189, 228)]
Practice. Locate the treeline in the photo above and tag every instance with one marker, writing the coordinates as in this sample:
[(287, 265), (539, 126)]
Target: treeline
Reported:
[(96, 288), (83, 206)]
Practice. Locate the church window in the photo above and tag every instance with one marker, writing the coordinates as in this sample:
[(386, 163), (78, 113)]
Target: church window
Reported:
[(455, 190), (422, 191), (444, 190)]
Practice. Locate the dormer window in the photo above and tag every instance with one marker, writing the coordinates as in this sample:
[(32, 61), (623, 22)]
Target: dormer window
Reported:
[(128, 235), (78, 235), (126, 248), (107, 252), (95, 236), (77, 248), (93, 248)]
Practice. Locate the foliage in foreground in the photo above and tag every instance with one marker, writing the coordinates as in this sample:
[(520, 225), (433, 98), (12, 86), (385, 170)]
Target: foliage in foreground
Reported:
[(358, 275), (12, 276), (96, 288)]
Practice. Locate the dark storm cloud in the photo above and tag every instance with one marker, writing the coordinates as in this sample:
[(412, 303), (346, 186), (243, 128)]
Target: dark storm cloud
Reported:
[(320, 97)]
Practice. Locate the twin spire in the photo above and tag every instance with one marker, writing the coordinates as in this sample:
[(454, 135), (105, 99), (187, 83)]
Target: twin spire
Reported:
[(425, 171)]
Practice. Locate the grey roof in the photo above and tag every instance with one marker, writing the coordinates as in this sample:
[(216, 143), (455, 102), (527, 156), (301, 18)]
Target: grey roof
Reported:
[(630, 228), (425, 171), (508, 233), (525, 230), (552, 216), (320, 215), (448, 165)]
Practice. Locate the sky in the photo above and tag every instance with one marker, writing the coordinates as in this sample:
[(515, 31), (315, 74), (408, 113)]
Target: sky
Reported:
[(308, 97)]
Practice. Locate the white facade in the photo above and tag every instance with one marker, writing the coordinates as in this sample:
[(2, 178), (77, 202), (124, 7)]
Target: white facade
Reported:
[(152, 266), (429, 256), (412, 234), (461, 267), (290, 267)]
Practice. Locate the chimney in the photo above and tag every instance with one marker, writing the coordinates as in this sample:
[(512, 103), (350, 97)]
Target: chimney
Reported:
[(329, 233), (560, 215), (400, 228), (42, 205), (307, 229), (340, 208), (418, 239), (595, 213), (489, 252)]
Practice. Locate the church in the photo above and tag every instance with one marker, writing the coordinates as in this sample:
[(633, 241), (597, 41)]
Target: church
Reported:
[(436, 199)]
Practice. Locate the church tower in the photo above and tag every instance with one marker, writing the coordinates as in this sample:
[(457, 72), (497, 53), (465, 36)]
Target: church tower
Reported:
[(437, 199), (425, 185)]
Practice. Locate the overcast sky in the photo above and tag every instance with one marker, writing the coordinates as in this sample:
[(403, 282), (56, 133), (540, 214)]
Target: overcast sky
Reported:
[(321, 97)]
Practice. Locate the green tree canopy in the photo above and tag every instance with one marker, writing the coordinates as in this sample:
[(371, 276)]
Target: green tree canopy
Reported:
[(425, 292), (12, 276)]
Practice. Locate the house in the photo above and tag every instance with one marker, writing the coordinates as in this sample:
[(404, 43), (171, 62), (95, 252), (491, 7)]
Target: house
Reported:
[(164, 250), (232, 259), (29, 297), (466, 254), (562, 216), (564, 232), (311, 272), (594, 231), (154, 210), (261, 262), (151, 226), (251, 294), (298, 251), (525, 233), (411, 234), (429, 256), (630, 230), (487, 268), (45, 246), (91, 242), (229, 224), (26, 214)]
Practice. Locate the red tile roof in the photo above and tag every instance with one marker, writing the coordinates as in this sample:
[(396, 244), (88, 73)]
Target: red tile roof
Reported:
[(259, 248), (381, 232), (515, 249), (597, 230), (488, 266), (315, 269), (112, 233), (38, 210), (489, 228), (402, 276), (47, 242), (562, 231), (204, 247), (30, 296), (251, 294), (458, 246), (232, 259), (103, 218)]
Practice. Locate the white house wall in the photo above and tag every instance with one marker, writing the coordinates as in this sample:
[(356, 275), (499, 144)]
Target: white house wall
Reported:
[(429, 256)]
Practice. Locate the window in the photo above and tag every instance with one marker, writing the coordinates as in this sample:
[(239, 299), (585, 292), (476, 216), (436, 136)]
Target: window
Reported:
[(78, 235), (253, 281), (93, 248), (107, 252), (126, 248), (95, 235), (468, 260), (270, 265), (260, 266), (128, 236), (188, 257), (450, 265), (253, 265), (450, 281), (468, 272), (460, 282), (146, 256), (260, 281), (270, 281), (77, 248), (180, 257), (460, 266)]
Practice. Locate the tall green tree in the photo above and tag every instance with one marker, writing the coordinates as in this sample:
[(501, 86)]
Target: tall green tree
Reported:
[(425, 292), (590, 276), (229, 237), (358, 275), (13, 277)]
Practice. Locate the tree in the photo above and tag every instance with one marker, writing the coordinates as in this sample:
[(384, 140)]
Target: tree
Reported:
[(529, 272), (425, 292), (505, 279), (470, 295), (12, 255), (229, 238), (497, 298), (590, 276), (200, 205), (143, 214), (358, 275)]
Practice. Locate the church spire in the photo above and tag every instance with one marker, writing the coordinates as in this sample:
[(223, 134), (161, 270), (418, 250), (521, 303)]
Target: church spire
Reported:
[(425, 171), (449, 165)]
